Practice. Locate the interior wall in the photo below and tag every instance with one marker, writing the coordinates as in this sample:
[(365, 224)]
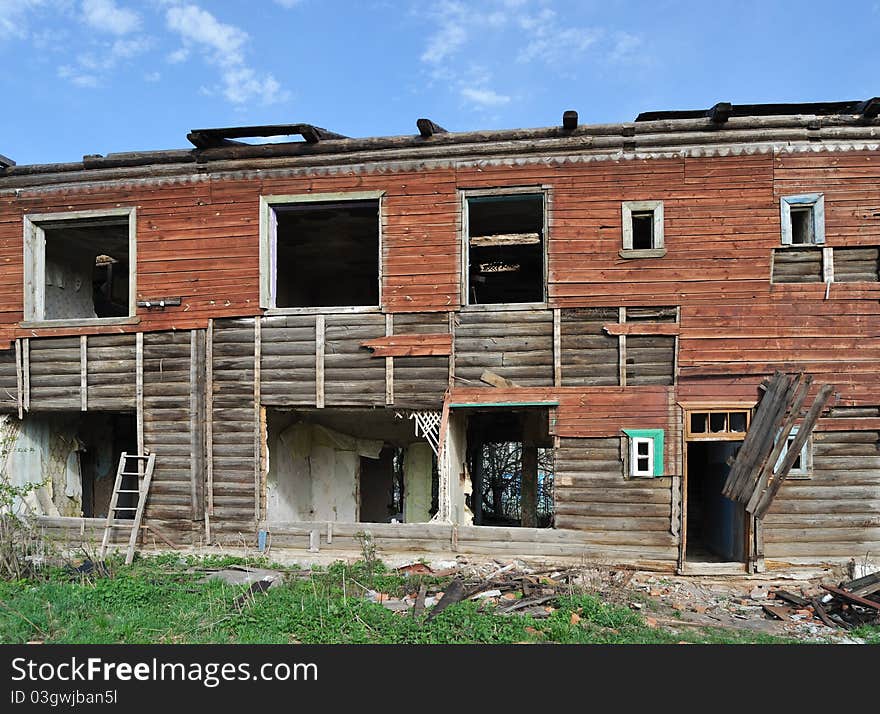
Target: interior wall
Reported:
[(68, 288), (418, 467)]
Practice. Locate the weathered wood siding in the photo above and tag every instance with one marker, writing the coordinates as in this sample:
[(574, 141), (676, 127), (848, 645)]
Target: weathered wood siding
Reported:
[(624, 516), (234, 428), (835, 512), (589, 355), (167, 428), (420, 382), (514, 344), (287, 364)]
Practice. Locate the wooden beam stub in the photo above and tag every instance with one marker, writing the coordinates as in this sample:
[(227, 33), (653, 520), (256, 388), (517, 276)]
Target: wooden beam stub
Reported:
[(428, 128), (569, 120)]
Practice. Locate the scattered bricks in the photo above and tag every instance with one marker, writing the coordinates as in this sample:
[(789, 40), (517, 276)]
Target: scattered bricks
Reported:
[(650, 622)]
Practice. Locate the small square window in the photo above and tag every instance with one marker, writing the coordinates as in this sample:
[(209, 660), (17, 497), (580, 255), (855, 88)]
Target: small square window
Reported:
[(803, 219), (645, 453), (642, 229)]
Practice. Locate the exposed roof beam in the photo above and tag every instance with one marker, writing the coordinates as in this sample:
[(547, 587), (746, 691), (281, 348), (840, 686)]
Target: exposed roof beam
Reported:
[(213, 138), (428, 128), (720, 113), (5, 162), (870, 108)]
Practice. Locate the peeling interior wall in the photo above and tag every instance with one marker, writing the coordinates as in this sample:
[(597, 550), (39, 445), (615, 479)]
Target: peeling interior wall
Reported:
[(72, 456), (69, 291), (417, 475), (457, 482), (319, 473), (43, 450)]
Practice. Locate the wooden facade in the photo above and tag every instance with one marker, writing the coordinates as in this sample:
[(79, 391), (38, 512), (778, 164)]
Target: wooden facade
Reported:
[(619, 343)]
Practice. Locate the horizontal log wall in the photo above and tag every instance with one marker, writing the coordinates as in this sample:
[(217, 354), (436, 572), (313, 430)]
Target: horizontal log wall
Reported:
[(287, 364), (234, 429), (835, 512), (856, 265), (514, 344), (420, 382), (167, 429), (797, 265), (352, 376), (650, 359), (625, 515), (589, 356)]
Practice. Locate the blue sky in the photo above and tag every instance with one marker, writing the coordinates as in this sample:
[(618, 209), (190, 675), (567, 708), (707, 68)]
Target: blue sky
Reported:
[(97, 76)]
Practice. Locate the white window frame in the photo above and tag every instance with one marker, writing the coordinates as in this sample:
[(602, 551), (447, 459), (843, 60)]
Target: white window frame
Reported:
[(634, 470), (35, 267), (464, 195), (806, 469), (658, 247), (268, 248), (816, 203)]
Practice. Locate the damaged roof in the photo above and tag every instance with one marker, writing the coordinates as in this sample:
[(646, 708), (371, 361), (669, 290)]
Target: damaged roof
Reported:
[(654, 131)]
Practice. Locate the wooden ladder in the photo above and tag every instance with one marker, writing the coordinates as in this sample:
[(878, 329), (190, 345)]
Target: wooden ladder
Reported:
[(142, 491)]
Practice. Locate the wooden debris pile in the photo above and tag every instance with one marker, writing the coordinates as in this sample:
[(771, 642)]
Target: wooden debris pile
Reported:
[(847, 605), (509, 592)]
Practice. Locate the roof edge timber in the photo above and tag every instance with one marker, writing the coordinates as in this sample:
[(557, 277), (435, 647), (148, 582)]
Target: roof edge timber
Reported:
[(629, 136)]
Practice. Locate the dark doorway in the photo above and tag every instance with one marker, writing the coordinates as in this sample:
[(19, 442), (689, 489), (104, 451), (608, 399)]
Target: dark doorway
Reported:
[(103, 436), (716, 525)]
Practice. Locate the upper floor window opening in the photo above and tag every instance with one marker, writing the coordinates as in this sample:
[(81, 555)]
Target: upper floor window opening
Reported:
[(321, 251), (803, 219), (80, 265), (505, 246), (642, 229)]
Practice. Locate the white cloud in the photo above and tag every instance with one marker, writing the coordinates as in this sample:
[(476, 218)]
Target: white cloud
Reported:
[(223, 46), (107, 16), (152, 77), (14, 17), (452, 19), (78, 77), (484, 97)]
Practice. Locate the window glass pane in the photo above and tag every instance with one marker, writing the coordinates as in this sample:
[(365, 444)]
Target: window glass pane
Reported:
[(643, 464), (642, 448), (698, 423)]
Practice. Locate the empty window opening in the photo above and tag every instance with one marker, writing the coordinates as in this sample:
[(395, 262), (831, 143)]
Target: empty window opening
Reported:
[(642, 229), (802, 225), (716, 525), (348, 465), (325, 254), (803, 219), (81, 269), (510, 462), (505, 248), (74, 456)]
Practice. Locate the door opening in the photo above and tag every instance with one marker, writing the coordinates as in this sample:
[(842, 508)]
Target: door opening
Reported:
[(716, 527)]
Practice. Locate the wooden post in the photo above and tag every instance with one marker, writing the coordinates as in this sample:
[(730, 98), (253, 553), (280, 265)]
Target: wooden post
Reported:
[(139, 392), (389, 362), (557, 347), (19, 380), (452, 351), (621, 350), (83, 373), (529, 487), (319, 361), (257, 420), (26, 371), (209, 428), (197, 422)]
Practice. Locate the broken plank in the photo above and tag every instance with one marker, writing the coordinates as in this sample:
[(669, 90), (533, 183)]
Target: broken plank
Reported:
[(503, 239), (428, 345), (642, 328), (851, 597), (496, 380)]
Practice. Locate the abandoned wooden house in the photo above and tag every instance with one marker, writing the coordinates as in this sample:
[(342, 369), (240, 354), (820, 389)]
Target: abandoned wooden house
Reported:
[(586, 341)]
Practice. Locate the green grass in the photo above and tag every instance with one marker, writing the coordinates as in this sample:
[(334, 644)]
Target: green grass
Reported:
[(157, 601)]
